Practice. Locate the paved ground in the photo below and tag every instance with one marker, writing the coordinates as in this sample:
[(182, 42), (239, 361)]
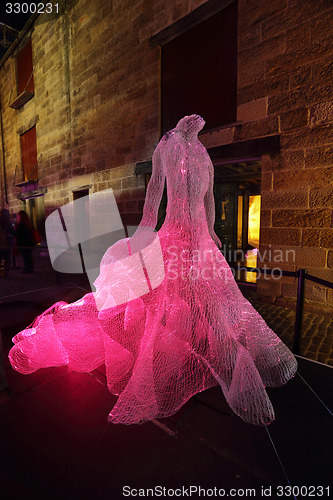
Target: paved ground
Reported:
[(317, 330), (43, 276), (317, 335)]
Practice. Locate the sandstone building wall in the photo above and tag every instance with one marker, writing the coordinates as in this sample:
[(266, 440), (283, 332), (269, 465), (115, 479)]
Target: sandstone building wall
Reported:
[(97, 113)]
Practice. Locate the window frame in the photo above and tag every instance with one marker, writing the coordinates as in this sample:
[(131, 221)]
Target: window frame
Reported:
[(219, 110), (25, 69), (29, 161)]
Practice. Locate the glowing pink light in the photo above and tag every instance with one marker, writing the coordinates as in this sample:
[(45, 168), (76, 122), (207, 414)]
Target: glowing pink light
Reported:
[(192, 331)]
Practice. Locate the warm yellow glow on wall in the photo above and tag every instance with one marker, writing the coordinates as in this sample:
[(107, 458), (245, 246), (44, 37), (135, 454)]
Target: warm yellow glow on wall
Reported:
[(239, 221), (254, 220)]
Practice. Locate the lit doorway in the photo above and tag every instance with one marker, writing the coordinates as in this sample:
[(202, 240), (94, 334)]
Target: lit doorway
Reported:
[(36, 211), (237, 196)]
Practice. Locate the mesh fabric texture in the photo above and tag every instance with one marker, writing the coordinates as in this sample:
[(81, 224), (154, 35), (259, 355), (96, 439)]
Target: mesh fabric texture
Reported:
[(192, 331)]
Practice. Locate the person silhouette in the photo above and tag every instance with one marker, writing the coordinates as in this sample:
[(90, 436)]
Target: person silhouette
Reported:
[(25, 240), (7, 233)]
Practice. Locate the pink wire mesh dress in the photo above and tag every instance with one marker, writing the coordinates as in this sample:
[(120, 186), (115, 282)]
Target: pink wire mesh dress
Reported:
[(191, 332)]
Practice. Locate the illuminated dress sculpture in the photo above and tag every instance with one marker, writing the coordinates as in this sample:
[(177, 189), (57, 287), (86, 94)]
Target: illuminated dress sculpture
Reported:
[(192, 331)]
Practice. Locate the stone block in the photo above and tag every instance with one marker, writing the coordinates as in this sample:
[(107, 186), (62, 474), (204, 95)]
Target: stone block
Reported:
[(301, 52), (290, 237), (63, 175), (301, 218), (315, 293), (260, 11), (268, 287), (326, 238), (250, 73), (325, 273), (265, 50), (102, 186), (121, 171), (266, 181), (298, 38), (322, 71), (289, 289), (320, 156), (251, 37), (275, 25), (321, 113), (265, 217), (321, 26), (302, 179), (310, 257), (252, 111), (330, 259), (95, 166), (311, 237), (329, 303), (178, 9), (299, 97), (293, 160), (295, 118), (267, 162), (115, 184), (260, 128), (263, 88), (308, 9), (128, 182), (279, 267), (284, 199), (78, 171), (321, 197), (276, 255), (276, 85), (251, 92), (218, 137), (56, 160), (288, 160)]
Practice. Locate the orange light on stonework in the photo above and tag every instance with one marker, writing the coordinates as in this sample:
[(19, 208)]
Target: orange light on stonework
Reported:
[(253, 235), (254, 220)]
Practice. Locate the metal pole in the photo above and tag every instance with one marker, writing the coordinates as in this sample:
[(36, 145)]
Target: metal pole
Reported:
[(299, 310)]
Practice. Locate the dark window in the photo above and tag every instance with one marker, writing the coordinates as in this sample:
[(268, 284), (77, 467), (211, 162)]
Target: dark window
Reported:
[(199, 72), (25, 78), (80, 194), (29, 155)]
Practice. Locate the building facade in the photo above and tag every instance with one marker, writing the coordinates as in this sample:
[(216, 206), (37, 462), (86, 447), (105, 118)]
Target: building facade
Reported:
[(86, 93)]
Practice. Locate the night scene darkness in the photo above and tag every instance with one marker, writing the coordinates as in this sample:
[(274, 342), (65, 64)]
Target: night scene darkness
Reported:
[(166, 249)]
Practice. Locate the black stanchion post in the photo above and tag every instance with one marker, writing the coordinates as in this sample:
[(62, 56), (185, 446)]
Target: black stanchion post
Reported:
[(299, 310), (12, 257)]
